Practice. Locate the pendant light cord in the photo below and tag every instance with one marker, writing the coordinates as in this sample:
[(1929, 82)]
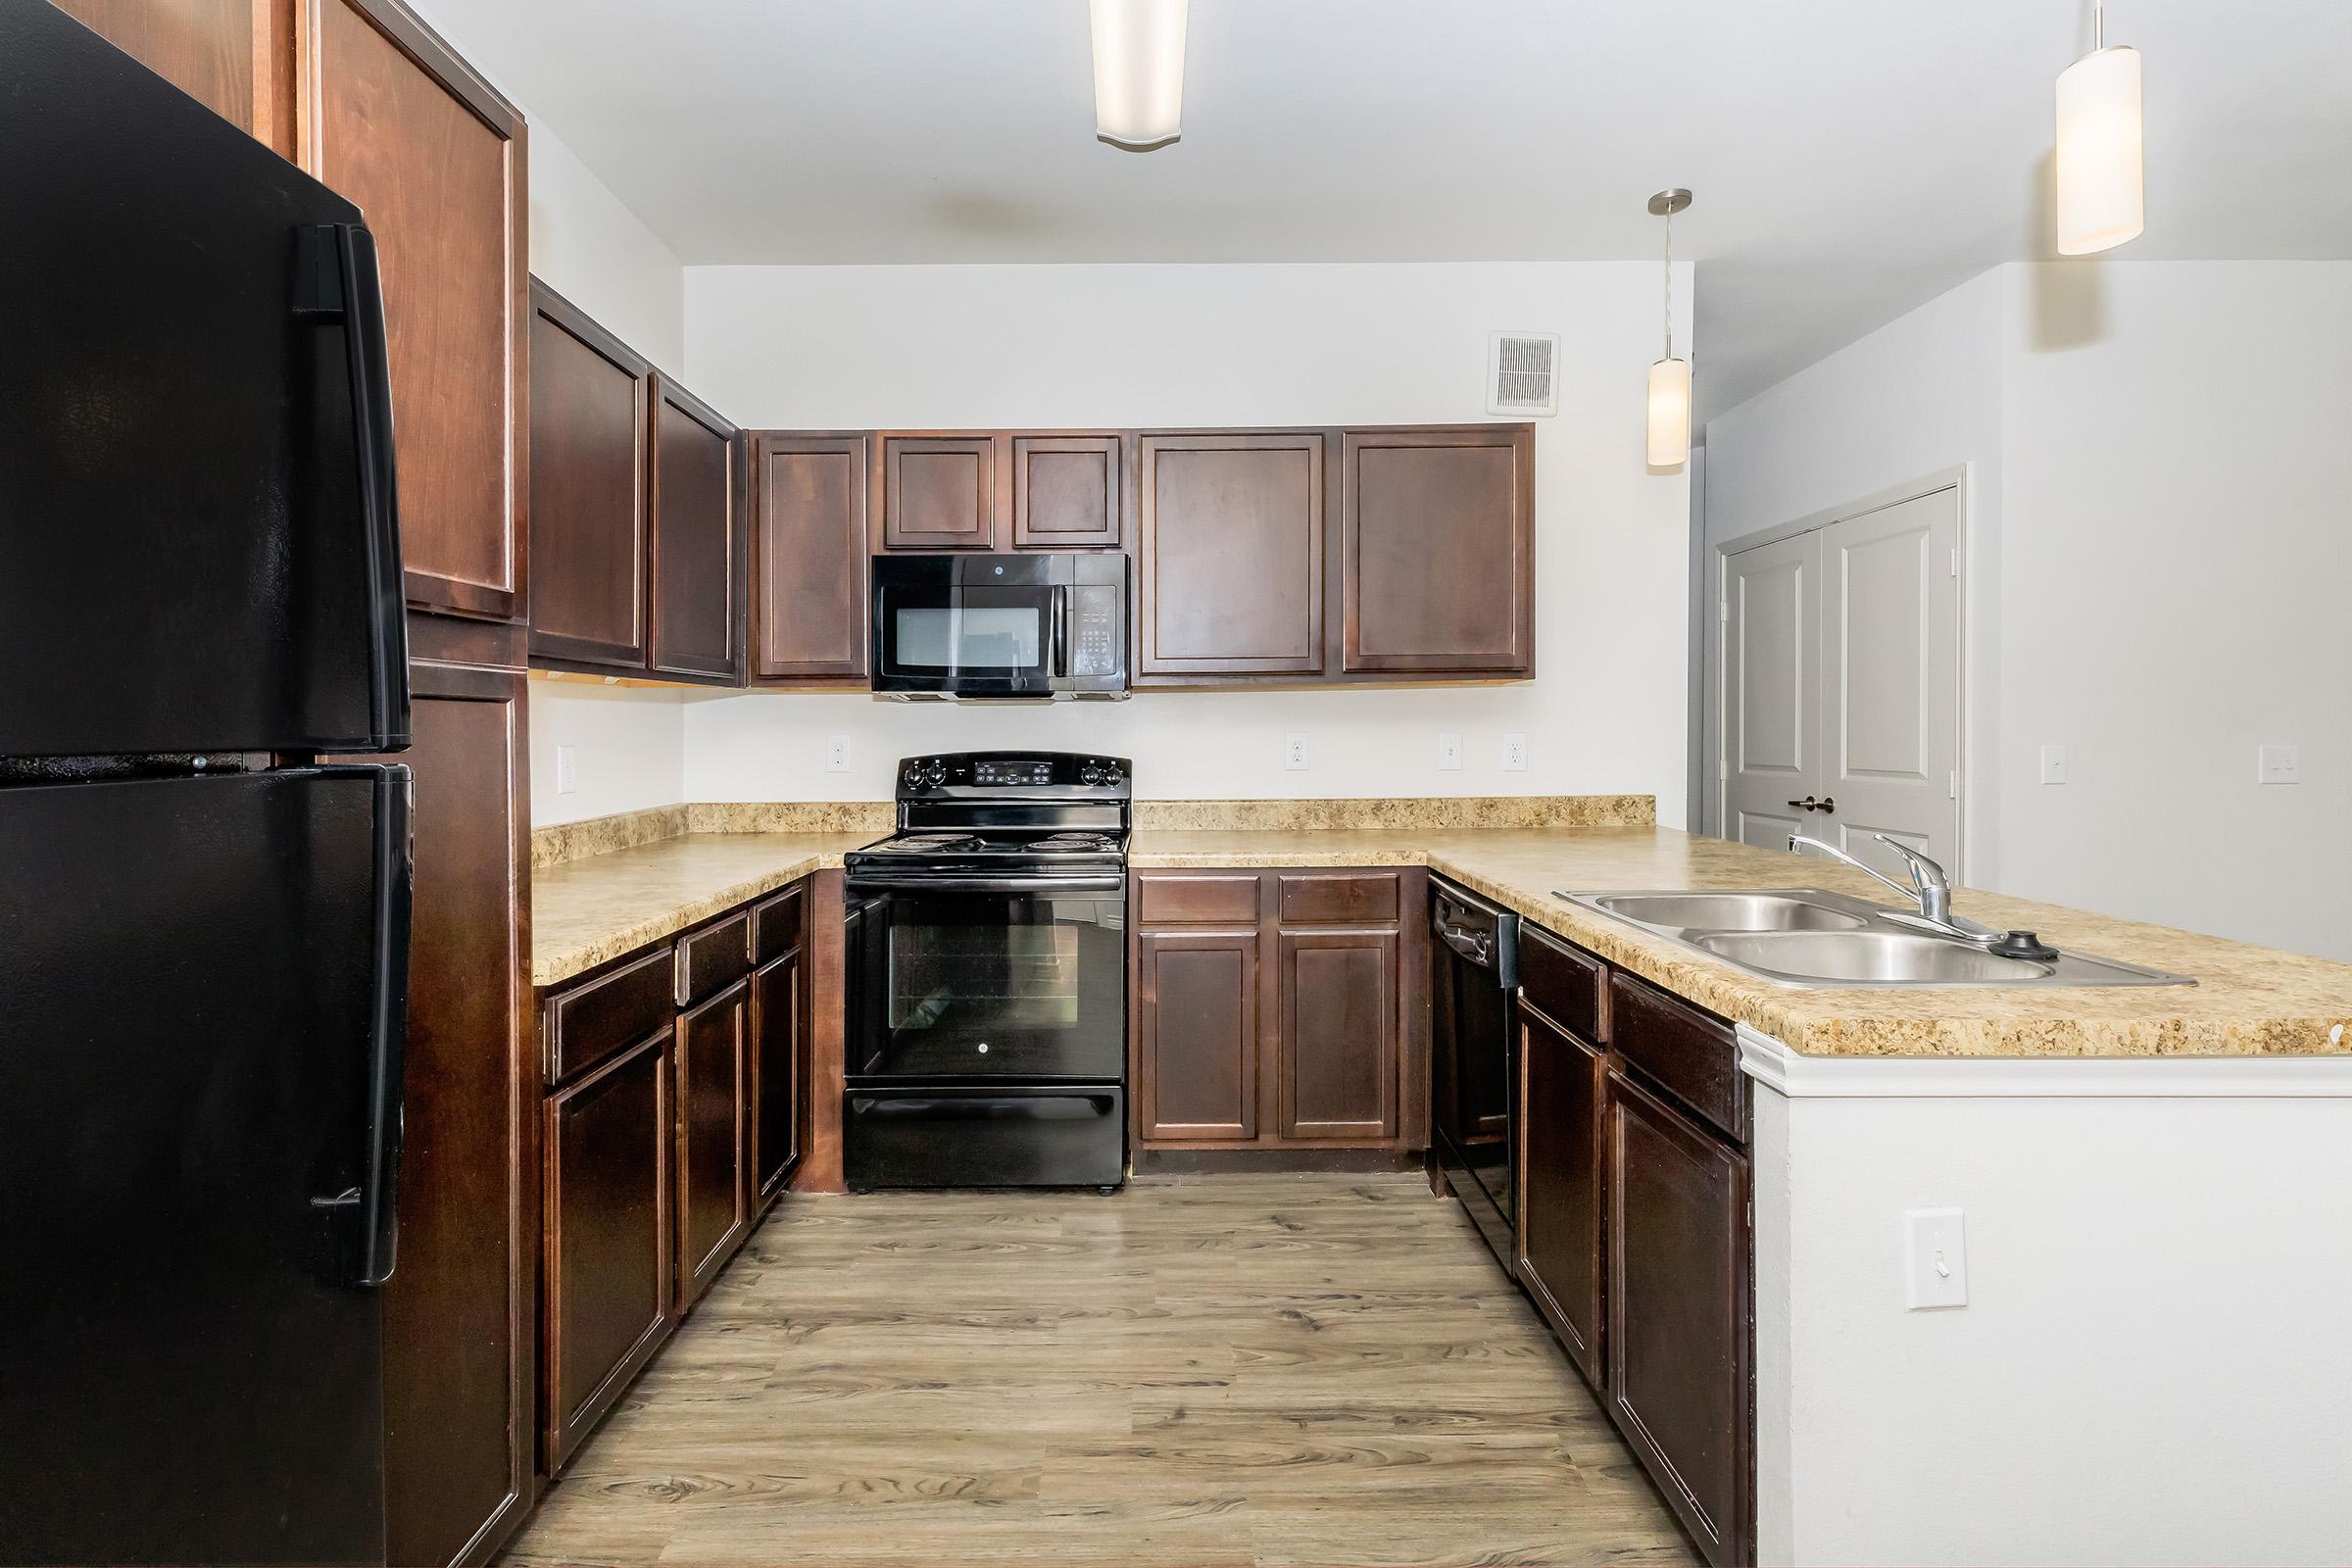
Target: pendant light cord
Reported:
[(2098, 25), (1670, 283)]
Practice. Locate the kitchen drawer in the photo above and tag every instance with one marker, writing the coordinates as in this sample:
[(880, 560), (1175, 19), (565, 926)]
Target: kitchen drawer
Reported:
[(1337, 898), (1561, 983), (1229, 899), (776, 925), (590, 1022), (1688, 1053), (714, 957)]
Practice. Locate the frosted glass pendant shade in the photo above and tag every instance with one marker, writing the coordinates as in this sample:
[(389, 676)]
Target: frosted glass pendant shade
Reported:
[(1139, 72), (2098, 154), (1669, 413)]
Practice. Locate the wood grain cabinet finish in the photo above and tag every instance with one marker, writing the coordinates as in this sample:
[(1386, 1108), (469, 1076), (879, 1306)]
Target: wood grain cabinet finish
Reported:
[(712, 1055), (591, 397), (697, 560), (1067, 491), (394, 119), (459, 1346), (1560, 1198), (779, 1073), (1230, 554), (939, 492), (234, 57), (1338, 1045), (1680, 1383), (809, 559), (1197, 1046), (610, 1144), (1438, 541)]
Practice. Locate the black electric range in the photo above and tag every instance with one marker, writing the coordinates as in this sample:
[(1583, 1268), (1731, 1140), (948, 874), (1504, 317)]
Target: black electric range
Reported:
[(987, 948)]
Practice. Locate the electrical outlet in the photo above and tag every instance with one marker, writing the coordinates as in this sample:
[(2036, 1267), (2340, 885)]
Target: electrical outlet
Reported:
[(1449, 753), (837, 754), (1293, 751), (2279, 764), (1934, 1259), (568, 769), (1514, 753), (2053, 764)]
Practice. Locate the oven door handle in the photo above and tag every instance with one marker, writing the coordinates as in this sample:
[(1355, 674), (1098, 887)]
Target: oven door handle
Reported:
[(986, 884)]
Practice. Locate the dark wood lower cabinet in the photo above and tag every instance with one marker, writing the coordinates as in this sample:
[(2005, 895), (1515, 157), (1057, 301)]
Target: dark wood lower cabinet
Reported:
[(714, 1207), (1338, 1045), (779, 1073), (1560, 1197), (609, 1143), (1680, 1360), (1195, 1054)]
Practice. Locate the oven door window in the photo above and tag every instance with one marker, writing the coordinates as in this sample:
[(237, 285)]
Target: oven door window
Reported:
[(986, 985), (968, 636)]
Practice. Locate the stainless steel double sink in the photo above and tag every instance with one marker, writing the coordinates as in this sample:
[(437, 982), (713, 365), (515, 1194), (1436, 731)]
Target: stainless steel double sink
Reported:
[(1810, 937)]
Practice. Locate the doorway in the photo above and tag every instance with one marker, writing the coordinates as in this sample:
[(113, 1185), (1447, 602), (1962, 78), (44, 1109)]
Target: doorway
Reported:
[(1838, 681)]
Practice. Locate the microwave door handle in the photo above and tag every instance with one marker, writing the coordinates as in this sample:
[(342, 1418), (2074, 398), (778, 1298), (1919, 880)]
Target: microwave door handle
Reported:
[(1062, 632)]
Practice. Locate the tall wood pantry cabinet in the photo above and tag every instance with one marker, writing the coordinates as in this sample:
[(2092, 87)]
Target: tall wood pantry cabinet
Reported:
[(366, 97)]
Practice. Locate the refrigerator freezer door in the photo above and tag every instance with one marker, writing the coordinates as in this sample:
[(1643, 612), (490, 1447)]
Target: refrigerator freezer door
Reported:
[(194, 1031), (198, 546)]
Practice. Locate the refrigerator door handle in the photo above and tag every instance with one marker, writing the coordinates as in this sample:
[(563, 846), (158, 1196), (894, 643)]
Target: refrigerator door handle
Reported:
[(339, 278), (387, 1052)]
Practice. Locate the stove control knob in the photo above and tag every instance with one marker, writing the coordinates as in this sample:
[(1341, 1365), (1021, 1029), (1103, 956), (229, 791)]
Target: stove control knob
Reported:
[(1090, 774)]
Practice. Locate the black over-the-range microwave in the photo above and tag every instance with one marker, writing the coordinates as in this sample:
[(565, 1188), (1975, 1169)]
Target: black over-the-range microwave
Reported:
[(1000, 628)]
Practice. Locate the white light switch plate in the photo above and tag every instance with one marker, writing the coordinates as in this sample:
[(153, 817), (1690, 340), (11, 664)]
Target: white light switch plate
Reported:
[(1514, 753), (1449, 753), (837, 754), (2053, 764), (1293, 751), (568, 769), (1934, 1259), (2279, 764)]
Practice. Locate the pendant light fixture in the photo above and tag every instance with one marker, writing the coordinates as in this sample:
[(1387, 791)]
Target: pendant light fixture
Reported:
[(1139, 72), (2098, 158), (1670, 378)]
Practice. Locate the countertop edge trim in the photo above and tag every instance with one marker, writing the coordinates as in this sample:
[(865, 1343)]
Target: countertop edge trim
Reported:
[(1794, 1075)]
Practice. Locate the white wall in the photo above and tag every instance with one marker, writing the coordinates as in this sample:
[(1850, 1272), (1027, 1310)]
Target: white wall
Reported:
[(592, 250), (2159, 541), (628, 750), (1187, 345)]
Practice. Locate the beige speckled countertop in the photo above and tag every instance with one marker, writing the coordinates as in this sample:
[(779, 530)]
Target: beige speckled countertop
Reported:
[(2249, 1001)]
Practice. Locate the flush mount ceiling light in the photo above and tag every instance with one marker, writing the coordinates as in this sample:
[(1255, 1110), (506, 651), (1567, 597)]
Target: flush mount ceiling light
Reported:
[(1670, 378), (1139, 72), (2098, 156)]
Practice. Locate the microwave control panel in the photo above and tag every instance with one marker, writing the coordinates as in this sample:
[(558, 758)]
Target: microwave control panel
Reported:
[(1097, 639)]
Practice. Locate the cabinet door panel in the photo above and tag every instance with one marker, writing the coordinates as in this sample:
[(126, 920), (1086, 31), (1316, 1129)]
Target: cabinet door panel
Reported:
[(713, 1066), (1560, 1204), (611, 1140), (234, 57), (939, 492), (1231, 555), (779, 1073), (403, 126), (1680, 1380), (1065, 492), (1339, 1035), (589, 406), (809, 557), (1438, 539), (695, 546), (1196, 1038)]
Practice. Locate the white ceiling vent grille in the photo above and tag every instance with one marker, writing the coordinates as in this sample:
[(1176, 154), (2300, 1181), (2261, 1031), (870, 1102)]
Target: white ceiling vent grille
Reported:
[(1523, 373)]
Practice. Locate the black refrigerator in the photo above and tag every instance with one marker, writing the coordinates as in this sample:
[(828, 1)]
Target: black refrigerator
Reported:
[(203, 918)]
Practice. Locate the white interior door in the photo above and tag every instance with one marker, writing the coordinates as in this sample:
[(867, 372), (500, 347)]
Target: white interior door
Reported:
[(1771, 702), (1841, 685)]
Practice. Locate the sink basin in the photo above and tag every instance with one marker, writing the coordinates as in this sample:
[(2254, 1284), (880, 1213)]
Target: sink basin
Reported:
[(1871, 957), (1728, 911), (1813, 936)]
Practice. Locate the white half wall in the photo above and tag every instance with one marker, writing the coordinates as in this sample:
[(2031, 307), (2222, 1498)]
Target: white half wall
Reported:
[(628, 748), (992, 347)]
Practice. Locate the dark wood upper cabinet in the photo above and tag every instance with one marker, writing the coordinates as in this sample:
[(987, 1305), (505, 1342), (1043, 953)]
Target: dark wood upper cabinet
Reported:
[(1229, 554), (590, 400), (1438, 540), (1560, 1191), (1067, 491), (808, 557), (940, 492), (398, 124), (696, 545), (234, 57), (1681, 1384), (1339, 1037)]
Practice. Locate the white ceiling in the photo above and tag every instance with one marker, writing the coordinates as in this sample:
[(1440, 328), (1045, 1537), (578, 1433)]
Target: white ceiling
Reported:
[(1851, 157)]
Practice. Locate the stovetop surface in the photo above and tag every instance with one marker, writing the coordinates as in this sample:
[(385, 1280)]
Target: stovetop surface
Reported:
[(1033, 844)]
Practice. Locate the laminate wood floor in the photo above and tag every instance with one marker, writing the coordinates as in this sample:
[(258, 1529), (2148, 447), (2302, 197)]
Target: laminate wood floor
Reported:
[(1199, 1372)]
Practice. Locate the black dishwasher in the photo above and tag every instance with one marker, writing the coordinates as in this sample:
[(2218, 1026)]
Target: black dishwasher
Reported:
[(1474, 1056)]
